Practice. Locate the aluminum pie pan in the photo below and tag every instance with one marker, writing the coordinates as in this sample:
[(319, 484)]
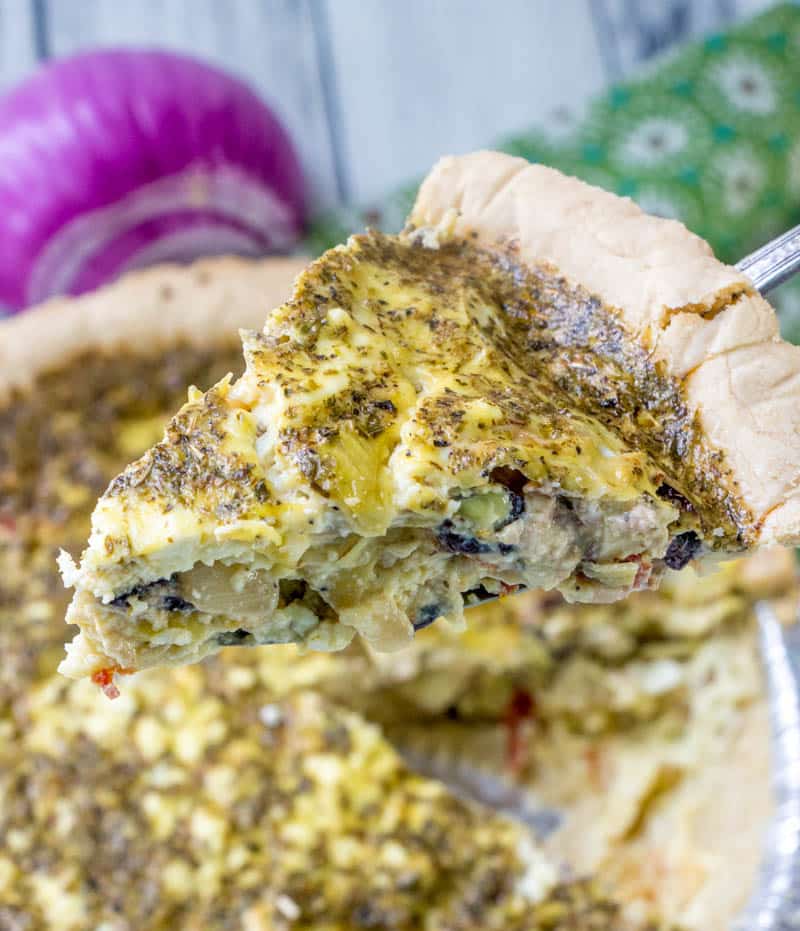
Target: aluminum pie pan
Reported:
[(774, 904)]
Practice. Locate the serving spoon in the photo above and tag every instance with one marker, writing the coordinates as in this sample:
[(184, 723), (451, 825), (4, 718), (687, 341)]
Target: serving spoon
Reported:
[(775, 262)]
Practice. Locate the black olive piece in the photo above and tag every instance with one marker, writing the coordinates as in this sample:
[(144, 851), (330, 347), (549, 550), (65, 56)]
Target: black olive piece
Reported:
[(682, 549), (668, 493), (121, 601), (232, 638), (427, 615), (516, 508), (175, 603), (517, 505), (457, 543)]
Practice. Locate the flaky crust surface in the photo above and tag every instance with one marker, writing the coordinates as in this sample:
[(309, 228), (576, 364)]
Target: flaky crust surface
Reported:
[(702, 319), (202, 304)]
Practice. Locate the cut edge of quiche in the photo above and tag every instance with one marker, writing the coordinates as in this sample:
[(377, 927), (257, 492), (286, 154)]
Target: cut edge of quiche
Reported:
[(535, 385)]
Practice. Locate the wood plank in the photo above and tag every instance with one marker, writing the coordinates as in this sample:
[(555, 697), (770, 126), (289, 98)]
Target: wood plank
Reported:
[(17, 41), (427, 77), (744, 9), (632, 31), (270, 43)]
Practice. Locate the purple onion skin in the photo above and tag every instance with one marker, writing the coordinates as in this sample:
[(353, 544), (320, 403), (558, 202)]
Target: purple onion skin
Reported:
[(86, 132)]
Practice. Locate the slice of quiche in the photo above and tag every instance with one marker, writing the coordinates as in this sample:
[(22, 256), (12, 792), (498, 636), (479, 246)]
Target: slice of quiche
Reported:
[(536, 384)]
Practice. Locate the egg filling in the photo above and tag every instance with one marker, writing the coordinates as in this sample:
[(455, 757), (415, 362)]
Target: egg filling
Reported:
[(423, 423)]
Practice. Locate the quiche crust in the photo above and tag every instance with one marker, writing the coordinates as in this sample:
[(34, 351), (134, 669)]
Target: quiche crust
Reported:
[(202, 304)]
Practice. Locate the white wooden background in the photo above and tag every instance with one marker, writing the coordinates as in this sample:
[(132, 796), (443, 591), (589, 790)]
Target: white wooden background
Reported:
[(373, 91)]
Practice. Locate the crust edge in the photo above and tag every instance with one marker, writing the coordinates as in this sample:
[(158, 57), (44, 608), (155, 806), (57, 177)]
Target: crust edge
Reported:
[(202, 303)]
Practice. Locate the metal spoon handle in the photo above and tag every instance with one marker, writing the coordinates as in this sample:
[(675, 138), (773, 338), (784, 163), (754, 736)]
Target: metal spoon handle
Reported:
[(774, 262)]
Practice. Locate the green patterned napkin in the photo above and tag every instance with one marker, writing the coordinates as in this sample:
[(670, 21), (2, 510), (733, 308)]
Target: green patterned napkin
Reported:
[(709, 135)]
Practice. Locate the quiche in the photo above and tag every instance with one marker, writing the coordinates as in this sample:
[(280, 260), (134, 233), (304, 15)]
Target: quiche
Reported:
[(196, 802), (201, 800), (129, 813), (535, 385)]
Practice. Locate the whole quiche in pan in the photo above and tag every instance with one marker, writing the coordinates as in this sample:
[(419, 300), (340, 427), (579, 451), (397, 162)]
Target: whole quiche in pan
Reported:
[(204, 796)]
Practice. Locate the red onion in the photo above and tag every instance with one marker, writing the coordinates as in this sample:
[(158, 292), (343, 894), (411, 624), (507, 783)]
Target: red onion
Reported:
[(116, 159)]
